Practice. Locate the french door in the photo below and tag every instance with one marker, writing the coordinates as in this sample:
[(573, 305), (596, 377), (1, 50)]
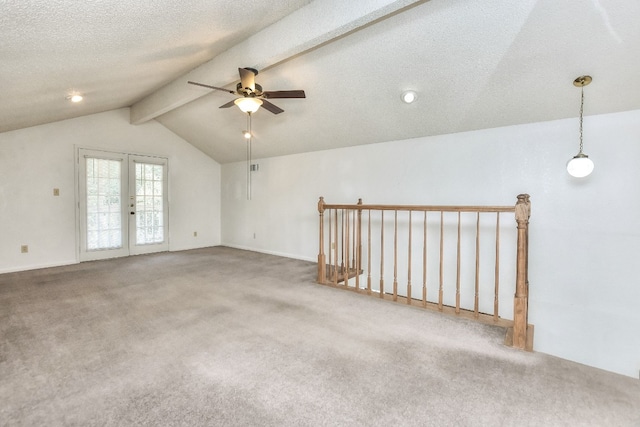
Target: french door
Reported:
[(123, 204)]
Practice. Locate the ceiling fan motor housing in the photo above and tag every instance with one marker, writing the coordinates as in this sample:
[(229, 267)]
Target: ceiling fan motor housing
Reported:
[(246, 91)]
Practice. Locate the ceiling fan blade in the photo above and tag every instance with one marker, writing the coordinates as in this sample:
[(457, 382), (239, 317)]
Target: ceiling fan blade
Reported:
[(271, 107), (248, 78), (210, 87), (284, 94), (228, 104)]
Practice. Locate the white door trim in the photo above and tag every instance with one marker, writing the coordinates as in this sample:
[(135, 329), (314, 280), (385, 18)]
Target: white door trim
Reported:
[(127, 189)]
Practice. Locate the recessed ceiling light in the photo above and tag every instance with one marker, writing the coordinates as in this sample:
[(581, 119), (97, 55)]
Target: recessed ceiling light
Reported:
[(409, 96), (75, 98)]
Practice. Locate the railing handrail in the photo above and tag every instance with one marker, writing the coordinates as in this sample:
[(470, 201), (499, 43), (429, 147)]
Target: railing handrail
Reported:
[(422, 208)]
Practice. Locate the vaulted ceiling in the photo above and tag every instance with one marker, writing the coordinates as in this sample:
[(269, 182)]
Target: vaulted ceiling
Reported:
[(473, 64)]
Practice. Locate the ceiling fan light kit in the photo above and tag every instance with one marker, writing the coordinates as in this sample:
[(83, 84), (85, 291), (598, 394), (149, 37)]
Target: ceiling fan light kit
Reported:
[(248, 105), (580, 165)]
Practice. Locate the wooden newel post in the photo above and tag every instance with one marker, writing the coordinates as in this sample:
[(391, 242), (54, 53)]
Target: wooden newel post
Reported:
[(521, 299), (322, 270)]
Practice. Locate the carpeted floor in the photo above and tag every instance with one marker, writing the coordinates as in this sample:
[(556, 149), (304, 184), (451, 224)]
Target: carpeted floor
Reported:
[(223, 337)]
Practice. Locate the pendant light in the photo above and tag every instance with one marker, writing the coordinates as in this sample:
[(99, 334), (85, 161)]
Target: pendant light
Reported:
[(580, 165)]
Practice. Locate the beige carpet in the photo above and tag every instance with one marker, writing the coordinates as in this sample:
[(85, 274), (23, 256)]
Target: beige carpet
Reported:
[(225, 337)]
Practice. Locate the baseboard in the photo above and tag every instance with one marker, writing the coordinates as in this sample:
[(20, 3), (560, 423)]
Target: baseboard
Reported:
[(276, 253), (36, 267)]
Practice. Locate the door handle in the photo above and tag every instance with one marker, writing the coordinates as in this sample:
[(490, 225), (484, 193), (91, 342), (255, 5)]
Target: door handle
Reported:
[(133, 213)]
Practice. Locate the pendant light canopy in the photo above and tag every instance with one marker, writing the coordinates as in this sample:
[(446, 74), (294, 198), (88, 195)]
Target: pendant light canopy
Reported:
[(580, 165)]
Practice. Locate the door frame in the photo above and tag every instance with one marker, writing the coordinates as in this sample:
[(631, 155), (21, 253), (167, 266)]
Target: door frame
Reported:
[(151, 247), (126, 185)]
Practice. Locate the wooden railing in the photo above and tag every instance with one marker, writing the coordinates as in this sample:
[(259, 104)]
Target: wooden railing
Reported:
[(362, 249)]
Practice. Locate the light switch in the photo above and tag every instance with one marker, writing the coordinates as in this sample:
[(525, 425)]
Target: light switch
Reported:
[(56, 191)]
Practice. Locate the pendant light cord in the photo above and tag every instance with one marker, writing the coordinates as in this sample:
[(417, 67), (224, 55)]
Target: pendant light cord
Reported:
[(581, 113)]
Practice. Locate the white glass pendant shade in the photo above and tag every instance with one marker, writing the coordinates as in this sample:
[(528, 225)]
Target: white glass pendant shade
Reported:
[(248, 105), (580, 166)]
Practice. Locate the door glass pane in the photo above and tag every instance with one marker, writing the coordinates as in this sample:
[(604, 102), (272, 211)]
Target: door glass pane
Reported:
[(104, 222), (149, 204)]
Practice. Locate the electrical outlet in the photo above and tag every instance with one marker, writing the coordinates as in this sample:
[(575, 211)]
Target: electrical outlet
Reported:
[(24, 249), (254, 235), (195, 234), (56, 191)]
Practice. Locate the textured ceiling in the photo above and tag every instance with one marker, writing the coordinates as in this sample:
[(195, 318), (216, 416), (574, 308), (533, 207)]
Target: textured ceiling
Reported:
[(114, 52), (474, 65)]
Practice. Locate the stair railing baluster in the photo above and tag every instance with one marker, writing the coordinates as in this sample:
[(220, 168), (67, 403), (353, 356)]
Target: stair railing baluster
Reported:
[(441, 288), (395, 257), (382, 255), (458, 268), (369, 252), (424, 261), (476, 302), (409, 263)]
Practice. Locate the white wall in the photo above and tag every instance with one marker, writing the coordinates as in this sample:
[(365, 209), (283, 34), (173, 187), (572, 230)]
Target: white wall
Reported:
[(34, 161), (584, 236)]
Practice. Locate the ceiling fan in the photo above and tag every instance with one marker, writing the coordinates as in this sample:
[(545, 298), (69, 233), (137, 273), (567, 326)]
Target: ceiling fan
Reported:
[(251, 94)]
